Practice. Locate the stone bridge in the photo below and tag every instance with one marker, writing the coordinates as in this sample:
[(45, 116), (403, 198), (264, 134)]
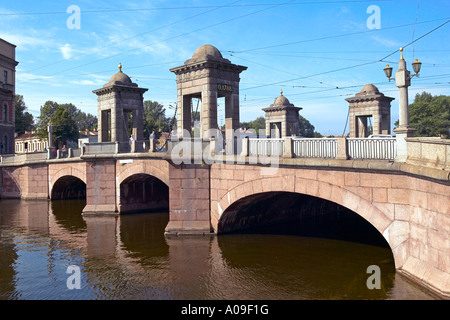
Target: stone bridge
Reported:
[(407, 203)]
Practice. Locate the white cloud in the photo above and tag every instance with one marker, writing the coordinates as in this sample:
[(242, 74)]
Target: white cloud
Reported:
[(67, 51), (22, 41), (387, 42), (30, 77)]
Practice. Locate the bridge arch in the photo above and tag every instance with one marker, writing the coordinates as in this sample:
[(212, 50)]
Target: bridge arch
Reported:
[(142, 192), (67, 183), (68, 187), (158, 169), (384, 224), (10, 187)]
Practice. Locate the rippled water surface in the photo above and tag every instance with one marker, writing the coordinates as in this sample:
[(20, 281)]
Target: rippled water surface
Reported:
[(128, 257)]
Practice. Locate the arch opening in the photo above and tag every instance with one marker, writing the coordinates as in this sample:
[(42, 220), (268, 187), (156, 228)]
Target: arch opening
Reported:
[(143, 192), (68, 187), (297, 214)]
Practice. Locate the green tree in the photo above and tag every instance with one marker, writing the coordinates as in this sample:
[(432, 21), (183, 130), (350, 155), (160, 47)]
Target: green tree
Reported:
[(430, 115), (64, 127), (23, 119), (47, 111), (155, 119), (306, 129), (257, 124)]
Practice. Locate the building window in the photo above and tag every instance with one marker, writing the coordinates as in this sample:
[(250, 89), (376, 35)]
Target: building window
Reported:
[(5, 144), (5, 112), (5, 76)]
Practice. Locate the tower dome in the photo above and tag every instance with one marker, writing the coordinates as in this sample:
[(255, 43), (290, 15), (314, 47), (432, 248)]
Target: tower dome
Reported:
[(369, 89), (120, 78), (282, 100), (207, 52)]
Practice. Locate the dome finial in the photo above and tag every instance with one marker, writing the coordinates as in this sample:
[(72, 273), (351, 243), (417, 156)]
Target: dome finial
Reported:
[(120, 66), (281, 91)]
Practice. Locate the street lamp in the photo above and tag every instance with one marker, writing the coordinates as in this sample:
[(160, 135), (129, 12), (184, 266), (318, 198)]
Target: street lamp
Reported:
[(416, 67), (403, 81)]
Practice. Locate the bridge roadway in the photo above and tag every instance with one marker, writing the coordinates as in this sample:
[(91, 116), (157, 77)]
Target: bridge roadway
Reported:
[(407, 203)]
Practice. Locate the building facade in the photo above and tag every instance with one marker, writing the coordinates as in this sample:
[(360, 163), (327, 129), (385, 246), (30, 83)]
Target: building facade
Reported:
[(7, 91), (29, 142)]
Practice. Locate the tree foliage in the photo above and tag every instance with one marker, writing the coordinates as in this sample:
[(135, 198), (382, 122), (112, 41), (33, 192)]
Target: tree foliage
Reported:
[(23, 119), (65, 127), (155, 119), (305, 128), (430, 115), (257, 124)]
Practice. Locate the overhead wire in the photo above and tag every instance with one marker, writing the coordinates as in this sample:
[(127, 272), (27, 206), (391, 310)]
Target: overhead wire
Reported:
[(178, 36), (353, 66), (190, 7)]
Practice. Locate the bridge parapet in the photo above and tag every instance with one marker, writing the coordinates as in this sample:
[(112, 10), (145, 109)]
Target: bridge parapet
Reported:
[(37, 157), (22, 158), (429, 152), (325, 148)]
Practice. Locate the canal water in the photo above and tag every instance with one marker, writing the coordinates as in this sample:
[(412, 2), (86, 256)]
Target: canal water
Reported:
[(47, 248)]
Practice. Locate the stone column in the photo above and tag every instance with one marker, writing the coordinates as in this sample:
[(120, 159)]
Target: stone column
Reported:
[(209, 109), (102, 125), (342, 149), (288, 148), (114, 127), (184, 116), (100, 187), (403, 81), (50, 136)]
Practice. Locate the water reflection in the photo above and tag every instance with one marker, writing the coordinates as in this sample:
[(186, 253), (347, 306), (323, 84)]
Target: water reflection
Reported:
[(128, 257)]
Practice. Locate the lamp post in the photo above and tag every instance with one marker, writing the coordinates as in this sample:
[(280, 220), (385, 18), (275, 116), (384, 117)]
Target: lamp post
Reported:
[(403, 81), (50, 139)]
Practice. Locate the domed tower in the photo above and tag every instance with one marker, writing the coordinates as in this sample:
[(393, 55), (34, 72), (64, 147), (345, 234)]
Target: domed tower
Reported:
[(207, 76), (116, 101), (282, 118), (367, 108)]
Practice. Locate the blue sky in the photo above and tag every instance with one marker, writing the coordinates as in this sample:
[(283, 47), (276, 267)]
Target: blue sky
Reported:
[(317, 52)]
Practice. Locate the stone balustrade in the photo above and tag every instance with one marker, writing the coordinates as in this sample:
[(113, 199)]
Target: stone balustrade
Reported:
[(429, 152)]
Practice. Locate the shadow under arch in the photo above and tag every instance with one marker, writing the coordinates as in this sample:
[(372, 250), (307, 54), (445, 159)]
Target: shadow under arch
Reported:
[(142, 192), (68, 187), (329, 254), (281, 212)]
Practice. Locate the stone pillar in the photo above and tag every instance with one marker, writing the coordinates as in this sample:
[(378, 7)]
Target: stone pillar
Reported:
[(189, 196), (209, 110), (100, 187), (152, 146), (403, 81), (288, 148), (342, 149), (114, 123), (184, 116), (103, 126), (50, 136)]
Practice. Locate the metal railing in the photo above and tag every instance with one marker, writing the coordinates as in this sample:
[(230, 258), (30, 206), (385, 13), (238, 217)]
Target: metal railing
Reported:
[(371, 149), (315, 147), (266, 147)]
